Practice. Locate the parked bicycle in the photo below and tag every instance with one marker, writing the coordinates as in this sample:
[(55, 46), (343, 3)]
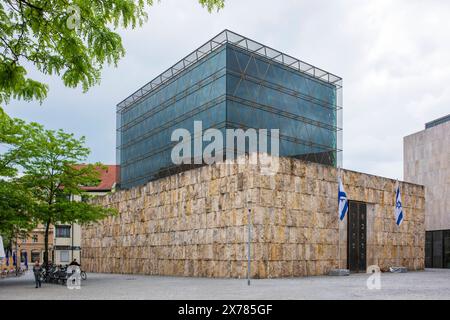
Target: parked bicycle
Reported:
[(52, 273)]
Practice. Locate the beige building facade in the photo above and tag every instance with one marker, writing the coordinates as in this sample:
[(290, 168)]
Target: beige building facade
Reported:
[(32, 246), (195, 224), (67, 243), (427, 162), (67, 239)]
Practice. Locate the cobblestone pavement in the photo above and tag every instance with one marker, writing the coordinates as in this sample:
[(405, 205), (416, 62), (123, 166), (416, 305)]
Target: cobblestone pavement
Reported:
[(429, 284)]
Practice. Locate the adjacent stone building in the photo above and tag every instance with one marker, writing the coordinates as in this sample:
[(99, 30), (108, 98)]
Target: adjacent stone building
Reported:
[(194, 223), (427, 162)]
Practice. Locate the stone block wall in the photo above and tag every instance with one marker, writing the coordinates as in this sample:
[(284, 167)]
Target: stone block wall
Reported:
[(195, 223)]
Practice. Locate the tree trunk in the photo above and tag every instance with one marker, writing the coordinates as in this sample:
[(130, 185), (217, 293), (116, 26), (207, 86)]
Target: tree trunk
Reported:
[(47, 229)]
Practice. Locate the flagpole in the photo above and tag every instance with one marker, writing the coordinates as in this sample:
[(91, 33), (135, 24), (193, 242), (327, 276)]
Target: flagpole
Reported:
[(342, 212), (399, 216), (248, 246), (397, 186), (339, 243), (339, 226)]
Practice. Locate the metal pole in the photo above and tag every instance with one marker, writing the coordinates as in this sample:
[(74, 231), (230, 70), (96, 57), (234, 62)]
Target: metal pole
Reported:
[(18, 260), (72, 243), (339, 244), (339, 226), (248, 245), (397, 185)]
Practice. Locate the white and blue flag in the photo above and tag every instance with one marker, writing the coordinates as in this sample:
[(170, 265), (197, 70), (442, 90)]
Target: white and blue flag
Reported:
[(398, 207), (343, 201)]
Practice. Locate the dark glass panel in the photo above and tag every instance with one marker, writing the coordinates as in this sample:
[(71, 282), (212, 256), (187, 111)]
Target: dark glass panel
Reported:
[(438, 249)]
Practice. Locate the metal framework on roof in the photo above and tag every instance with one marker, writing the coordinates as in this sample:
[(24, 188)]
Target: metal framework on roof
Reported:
[(233, 38)]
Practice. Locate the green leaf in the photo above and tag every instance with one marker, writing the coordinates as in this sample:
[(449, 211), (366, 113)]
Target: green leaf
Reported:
[(73, 39)]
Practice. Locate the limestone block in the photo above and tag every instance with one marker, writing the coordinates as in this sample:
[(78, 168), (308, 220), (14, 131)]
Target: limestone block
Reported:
[(309, 252), (290, 252), (275, 252), (329, 174), (299, 168), (282, 216), (308, 235), (311, 186), (272, 182), (239, 200), (238, 269), (259, 269), (298, 268), (293, 235), (281, 234), (274, 269), (311, 171), (266, 198), (311, 268), (297, 181), (293, 218), (291, 202)]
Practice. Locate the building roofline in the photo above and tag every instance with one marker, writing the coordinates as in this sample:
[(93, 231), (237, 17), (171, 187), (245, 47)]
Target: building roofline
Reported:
[(437, 122), (224, 37)]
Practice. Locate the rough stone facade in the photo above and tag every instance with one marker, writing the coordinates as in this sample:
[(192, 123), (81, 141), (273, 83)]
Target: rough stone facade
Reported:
[(195, 223)]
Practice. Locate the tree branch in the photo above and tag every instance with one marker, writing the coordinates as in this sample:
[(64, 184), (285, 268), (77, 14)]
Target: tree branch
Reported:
[(31, 5)]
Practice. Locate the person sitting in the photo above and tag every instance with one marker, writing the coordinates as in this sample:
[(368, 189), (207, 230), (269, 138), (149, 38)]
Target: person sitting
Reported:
[(74, 263)]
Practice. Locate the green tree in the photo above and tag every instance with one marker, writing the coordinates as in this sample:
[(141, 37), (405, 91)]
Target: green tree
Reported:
[(69, 38), (53, 174), (12, 132), (17, 207), (16, 202)]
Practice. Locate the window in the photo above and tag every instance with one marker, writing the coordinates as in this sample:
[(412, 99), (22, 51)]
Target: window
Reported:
[(35, 256), (35, 238), (23, 256), (64, 256), (62, 231)]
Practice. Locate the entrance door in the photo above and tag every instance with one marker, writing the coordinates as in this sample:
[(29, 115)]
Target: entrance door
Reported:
[(438, 249), (447, 249), (357, 234)]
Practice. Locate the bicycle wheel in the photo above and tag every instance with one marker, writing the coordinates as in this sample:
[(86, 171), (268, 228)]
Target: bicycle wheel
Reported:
[(83, 275)]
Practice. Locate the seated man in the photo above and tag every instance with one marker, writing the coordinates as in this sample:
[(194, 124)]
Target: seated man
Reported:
[(74, 263)]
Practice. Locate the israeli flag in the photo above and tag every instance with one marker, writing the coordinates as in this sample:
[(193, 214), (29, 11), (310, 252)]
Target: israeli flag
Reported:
[(343, 201), (398, 207)]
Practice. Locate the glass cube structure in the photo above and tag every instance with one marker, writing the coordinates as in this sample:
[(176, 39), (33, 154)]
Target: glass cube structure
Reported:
[(230, 82)]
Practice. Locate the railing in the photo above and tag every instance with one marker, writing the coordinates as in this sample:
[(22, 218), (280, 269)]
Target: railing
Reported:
[(222, 38)]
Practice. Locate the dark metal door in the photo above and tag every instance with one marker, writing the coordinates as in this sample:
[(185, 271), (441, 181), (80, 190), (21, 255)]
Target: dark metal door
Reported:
[(357, 236), (438, 249), (447, 249), (429, 249)]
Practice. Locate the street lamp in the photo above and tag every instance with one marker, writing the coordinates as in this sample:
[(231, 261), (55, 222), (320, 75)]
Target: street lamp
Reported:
[(249, 239)]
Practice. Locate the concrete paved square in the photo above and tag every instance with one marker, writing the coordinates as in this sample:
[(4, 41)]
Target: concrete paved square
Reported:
[(429, 284)]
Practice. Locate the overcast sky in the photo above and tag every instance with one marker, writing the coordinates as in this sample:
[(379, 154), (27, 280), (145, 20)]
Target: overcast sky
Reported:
[(394, 57)]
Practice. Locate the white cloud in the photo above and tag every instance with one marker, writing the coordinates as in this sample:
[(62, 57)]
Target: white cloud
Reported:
[(393, 56)]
